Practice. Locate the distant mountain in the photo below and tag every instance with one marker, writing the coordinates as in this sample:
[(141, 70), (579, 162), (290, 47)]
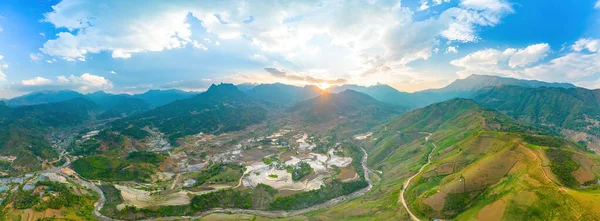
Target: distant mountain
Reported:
[(284, 94), (222, 108), (557, 109), (118, 105), (384, 93), (476, 82), (161, 97), (59, 114), (25, 131), (43, 97), (376, 91), (461, 88), (246, 86), (347, 105)]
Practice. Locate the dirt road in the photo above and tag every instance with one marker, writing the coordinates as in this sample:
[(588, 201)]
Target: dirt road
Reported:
[(407, 183)]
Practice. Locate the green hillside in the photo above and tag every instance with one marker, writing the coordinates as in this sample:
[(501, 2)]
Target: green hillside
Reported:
[(222, 108), (25, 131), (568, 112), (347, 104), (485, 166)]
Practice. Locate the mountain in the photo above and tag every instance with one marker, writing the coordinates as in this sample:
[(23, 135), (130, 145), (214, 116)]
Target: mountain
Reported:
[(25, 131), (376, 91), (59, 114), (42, 97), (161, 97), (475, 82), (457, 117), (460, 88), (467, 87), (482, 162), (118, 105), (284, 94), (572, 112), (246, 86), (348, 105), (222, 108)]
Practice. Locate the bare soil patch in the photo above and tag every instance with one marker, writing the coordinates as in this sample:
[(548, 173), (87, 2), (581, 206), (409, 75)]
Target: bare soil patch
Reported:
[(484, 173), (445, 168), (436, 201), (143, 199), (347, 173), (492, 212), (582, 175)]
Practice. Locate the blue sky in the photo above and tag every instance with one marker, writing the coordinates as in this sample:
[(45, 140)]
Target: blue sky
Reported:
[(133, 46)]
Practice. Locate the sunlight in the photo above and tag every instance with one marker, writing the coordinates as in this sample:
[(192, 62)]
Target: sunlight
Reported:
[(323, 86)]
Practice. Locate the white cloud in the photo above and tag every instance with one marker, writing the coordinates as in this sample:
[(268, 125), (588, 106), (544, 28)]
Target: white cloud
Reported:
[(37, 81), (42, 34), (198, 45), (473, 13), (583, 61), (259, 57), (492, 61), (480, 62), (524, 57), (452, 49), (51, 61), (113, 72), (597, 6), (2, 66), (302, 78), (571, 66), (130, 27), (35, 56), (592, 45), (84, 83), (425, 4), (299, 33), (89, 82), (62, 79)]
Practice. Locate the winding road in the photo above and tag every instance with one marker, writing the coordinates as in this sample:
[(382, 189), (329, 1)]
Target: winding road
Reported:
[(407, 183)]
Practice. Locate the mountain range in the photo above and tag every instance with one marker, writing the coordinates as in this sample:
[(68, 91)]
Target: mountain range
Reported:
[(153, 98), (461, 88), (480, 145), (222, 108)]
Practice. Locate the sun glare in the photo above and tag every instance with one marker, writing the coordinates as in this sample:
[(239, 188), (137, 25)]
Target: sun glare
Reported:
[(324, 86)]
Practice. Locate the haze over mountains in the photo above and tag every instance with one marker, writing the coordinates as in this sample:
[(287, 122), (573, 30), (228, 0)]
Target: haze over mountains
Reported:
[(461, 88), (286, 95), (506, 137)]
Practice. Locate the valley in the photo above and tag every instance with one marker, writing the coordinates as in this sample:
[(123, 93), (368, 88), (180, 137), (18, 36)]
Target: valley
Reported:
[(226, 154)]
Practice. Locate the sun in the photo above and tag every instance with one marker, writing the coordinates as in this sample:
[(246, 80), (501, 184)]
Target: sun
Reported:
[(323, 86)]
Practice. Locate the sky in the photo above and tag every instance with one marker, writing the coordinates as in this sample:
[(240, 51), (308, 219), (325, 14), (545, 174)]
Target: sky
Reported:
[(136, 45)]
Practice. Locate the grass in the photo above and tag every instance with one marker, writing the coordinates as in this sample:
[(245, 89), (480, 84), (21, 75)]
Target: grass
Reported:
[(111, 169), (563, 165)]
